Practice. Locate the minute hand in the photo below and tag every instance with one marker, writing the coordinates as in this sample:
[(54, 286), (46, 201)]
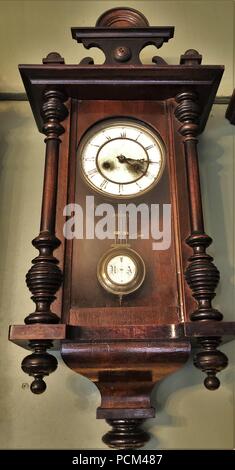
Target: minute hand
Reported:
[(124, 159), (136, 160)]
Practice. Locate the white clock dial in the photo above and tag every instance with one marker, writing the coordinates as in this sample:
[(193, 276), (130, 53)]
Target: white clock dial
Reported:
[(121, 270), (121, 157)]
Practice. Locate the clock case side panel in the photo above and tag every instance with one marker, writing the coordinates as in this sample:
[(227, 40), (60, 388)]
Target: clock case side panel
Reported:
[(66, 189), (180, 206), (62, 196)]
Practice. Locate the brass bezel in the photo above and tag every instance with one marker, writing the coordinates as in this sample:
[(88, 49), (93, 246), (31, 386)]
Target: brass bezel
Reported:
[(115, 121), (115, 288)]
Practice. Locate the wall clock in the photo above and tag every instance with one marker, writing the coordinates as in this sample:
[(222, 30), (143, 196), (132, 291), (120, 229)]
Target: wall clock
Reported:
[(133, 296)]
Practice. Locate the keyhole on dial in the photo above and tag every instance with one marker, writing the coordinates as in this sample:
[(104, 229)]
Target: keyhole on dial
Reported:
[(106, 165)]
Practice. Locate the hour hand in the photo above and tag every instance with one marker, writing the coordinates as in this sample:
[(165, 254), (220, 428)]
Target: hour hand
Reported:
[(122, 159), (135, 164)]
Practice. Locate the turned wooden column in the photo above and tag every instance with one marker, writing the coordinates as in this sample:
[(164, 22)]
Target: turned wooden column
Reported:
[(45, 277), (201, 274)]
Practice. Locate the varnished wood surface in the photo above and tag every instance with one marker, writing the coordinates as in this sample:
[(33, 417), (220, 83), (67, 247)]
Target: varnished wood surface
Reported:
[(44, 277), (167, 307), (160, 265), (201, 273), (128, 83), (125, 372), (62, 201), (116, 316), (20, 334), (122, 17), (122, 45)]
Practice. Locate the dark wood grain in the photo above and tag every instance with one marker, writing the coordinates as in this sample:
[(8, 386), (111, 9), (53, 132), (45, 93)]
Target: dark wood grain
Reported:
[(121, 33), (210, 360), (125, 374), (122, 17), (126, 434), (201, 274), (45, 277), (145, 82), (159, 300), (20, 334), (122, 46), (39, 364)]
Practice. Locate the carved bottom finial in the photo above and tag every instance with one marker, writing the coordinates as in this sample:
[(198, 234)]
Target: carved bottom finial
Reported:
[(39, 364), (126, 434), (211, 361)]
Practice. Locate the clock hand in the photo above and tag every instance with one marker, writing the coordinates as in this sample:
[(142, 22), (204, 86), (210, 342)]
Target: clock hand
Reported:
[(136, 165), (123, 159), (141, 160)]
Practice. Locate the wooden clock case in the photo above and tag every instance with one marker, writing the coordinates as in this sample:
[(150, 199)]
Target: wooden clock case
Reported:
[(124, 349)]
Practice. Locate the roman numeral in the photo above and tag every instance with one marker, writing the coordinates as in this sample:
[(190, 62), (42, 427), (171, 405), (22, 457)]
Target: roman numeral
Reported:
[(123, 134), (103, 185), (120, 188), (113, 269), (149, 147), (107, 136), (92, 172)]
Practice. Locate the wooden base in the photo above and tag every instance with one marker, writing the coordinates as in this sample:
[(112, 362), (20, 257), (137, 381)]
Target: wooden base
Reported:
[(125, 374)]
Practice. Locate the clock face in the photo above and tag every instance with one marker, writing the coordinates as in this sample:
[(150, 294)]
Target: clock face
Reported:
[(121, 270), (121, 157)]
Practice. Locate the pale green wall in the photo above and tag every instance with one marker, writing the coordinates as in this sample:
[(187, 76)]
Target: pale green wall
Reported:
[(188, 416)]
